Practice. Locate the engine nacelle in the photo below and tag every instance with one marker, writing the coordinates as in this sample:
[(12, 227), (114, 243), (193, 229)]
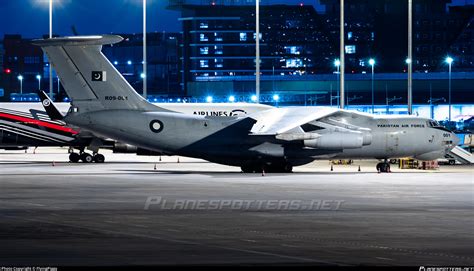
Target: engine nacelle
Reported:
[(338, 141), (124, 148)]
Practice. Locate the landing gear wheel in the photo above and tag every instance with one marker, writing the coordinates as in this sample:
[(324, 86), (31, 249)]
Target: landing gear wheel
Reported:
[(452, 162), (99, 158), (383, 167), (86, 158), (74, 157)]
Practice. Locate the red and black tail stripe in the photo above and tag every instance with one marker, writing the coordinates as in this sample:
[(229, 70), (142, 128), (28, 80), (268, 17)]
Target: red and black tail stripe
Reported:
[(34, 114), (41, 124)]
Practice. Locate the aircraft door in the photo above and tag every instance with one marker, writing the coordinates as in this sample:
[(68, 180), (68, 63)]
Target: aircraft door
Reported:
[(392, 143)]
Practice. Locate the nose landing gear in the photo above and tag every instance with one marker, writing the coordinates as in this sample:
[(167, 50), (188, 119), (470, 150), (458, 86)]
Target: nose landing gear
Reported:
[(383, 167)]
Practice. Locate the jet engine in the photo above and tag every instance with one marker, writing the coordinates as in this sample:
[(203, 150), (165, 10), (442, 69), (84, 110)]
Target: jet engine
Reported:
[(120, 147), (339, 140)]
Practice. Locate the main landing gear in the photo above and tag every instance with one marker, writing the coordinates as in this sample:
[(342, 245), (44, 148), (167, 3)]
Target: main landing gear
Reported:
[(383, 166), (85, 157)]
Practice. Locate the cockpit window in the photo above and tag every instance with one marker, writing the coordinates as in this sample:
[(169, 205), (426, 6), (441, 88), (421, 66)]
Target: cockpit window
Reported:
[(433, 123)]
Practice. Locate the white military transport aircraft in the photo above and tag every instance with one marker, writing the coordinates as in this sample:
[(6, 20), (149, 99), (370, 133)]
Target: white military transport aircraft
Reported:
[(271, 139)]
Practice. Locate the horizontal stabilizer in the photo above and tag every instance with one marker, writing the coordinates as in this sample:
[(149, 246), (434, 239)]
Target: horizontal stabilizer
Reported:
[(79, 41)]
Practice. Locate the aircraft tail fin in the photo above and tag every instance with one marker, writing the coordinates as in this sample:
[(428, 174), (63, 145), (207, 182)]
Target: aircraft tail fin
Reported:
[(88, 77), (51, 109)]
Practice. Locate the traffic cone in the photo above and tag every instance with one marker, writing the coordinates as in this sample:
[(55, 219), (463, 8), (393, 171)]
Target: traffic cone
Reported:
[(359, 168), (332, 169)]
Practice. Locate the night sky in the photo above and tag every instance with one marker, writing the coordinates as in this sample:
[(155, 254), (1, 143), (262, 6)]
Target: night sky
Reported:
[(30, 17)]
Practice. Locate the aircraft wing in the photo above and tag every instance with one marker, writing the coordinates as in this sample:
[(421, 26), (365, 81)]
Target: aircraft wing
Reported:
[(280, 120), (288, 121)]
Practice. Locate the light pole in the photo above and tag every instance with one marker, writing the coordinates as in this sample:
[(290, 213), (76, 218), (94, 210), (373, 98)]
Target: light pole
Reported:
[(257, 50), (20, 78), (372, 64), (50, 36), (38, 77), (59, 85), (273, 78), (342, 54), (337, 64), (449, 60), (410, 56), (276, 98), (144, 52)]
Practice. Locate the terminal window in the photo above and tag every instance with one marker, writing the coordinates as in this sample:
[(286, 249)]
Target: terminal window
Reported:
[(204, 63), (203, 37), (204, 50), (294, 63), (350, 49), (294, 50), (218, 49)]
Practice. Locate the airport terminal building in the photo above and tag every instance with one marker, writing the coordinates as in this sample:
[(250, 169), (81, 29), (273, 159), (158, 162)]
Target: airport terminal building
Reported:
[(214, 55)]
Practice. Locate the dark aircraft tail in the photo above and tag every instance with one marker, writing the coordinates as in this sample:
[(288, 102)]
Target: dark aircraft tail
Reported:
[(49, 107)]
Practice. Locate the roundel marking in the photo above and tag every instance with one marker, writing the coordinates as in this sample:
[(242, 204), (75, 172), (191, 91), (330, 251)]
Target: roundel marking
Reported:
[(156, 126), (46, 102)]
